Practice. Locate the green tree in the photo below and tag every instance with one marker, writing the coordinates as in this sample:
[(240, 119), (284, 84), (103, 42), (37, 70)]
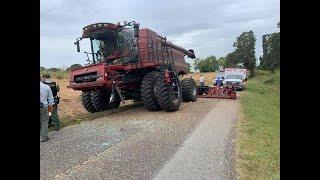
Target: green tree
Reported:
[(54, 69), (231, 60), (42, 68), (189, 67), (245, 50), (196, 63), (271, 51), (209, 64), (221, 61)]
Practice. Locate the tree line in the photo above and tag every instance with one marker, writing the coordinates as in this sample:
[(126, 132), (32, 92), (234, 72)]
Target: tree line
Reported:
[(244, 54), (270, 59), (73, 66)]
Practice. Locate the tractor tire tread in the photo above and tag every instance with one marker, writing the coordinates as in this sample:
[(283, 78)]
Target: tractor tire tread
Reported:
[(163, 96), (86, 102), (147, 91), (188, 85)]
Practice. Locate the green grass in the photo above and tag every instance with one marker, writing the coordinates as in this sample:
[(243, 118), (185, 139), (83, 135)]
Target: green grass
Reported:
[(258, 143)]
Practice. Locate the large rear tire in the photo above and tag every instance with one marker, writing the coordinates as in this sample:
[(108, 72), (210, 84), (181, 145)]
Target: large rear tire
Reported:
[(147, 91), (189, 90), (168, 94), (100, 100), (86, 101)]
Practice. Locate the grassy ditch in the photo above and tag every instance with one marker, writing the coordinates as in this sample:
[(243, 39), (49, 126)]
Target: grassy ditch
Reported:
[(258, 143)]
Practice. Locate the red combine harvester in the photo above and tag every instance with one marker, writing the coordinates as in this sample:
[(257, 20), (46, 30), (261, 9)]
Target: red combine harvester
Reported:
[(132, 63)]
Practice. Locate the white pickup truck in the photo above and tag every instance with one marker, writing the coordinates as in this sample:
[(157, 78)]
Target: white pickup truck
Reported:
[(236, 77)]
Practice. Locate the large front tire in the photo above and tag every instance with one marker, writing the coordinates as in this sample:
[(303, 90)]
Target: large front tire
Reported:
[(100, 100), (86, 101), (189, 90), (168, 94), (147, 91)]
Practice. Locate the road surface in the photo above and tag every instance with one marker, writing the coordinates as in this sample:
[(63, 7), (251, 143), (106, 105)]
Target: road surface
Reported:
[(195, 142)]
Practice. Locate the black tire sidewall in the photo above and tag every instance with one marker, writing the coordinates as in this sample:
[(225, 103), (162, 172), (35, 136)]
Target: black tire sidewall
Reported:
[(86, 101), (187, 92), (162, 92)]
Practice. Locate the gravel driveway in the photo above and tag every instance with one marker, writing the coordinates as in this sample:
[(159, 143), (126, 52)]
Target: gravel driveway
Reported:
[(194, 142)]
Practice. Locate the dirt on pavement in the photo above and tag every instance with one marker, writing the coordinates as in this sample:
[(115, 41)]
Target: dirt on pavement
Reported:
[(135, 143)]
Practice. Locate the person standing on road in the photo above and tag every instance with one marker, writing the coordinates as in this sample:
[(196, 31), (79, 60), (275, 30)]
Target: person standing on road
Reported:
[(46, 105), (219, 81), (202, 80), (55, 89)]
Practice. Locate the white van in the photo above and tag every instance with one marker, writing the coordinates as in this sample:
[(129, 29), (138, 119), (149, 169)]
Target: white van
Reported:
[(236, 77)]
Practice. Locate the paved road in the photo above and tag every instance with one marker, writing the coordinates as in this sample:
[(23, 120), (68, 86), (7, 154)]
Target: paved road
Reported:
[(207, 152), (192, 143)]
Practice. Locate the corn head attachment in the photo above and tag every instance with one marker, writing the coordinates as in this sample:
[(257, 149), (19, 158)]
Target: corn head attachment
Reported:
[(223, 92)]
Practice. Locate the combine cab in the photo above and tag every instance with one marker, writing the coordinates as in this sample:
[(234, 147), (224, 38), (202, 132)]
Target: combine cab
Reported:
[(223, 92)]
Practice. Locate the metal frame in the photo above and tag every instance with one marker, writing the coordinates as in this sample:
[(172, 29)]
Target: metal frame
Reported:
[(223, 92)]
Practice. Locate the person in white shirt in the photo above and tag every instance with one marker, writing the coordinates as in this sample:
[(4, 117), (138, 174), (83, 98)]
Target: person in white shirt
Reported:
[(46, 104), (202, 79)]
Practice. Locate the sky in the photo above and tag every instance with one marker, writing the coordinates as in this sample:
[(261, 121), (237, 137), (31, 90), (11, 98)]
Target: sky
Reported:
[(209, 27)]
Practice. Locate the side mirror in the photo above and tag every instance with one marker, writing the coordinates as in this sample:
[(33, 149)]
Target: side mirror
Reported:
[(136, 30)]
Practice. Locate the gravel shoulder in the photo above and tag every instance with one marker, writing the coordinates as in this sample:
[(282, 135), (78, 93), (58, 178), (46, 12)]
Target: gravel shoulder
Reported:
[(138, 144)]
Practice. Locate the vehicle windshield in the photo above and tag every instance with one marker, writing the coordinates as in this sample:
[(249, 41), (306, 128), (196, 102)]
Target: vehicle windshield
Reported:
[(103, 48), (234, 76), (221, 74), (112, 47)]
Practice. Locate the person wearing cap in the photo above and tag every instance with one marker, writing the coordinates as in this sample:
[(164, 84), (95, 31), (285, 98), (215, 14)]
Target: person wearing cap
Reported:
[(46, 105), (54, 89)]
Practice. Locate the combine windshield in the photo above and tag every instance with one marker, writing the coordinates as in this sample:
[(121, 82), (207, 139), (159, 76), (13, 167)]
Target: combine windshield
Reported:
[(112, 47)]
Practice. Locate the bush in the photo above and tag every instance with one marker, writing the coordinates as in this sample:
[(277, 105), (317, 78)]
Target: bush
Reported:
[(61, 75), (54, 69), (273, 78), (73, 66)]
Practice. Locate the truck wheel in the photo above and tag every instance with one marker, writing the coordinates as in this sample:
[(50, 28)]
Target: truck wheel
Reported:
[(86, 101), (100, 100), (147, 91), (189, 90), (168, 94)]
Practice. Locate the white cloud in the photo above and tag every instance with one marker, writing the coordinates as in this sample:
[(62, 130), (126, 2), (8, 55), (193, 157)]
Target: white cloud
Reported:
[(208, 26)]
